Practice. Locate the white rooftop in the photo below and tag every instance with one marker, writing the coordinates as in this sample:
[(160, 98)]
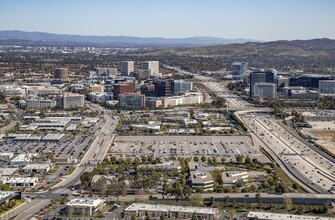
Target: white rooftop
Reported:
[(85, 202), (169, 208), (280, 216)]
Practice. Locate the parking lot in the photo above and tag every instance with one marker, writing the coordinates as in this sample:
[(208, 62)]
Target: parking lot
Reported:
[(188, 146)]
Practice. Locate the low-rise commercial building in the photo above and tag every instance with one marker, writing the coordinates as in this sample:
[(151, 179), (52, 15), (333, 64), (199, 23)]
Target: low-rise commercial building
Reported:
[(37, 168), (201, 179), (25, 182), (40, 103), (22, 160), (280, 216), (84, 206), (9, 196), (169, 211), (70, 100)]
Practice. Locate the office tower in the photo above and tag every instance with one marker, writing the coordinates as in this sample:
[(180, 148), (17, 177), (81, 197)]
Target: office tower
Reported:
[(258, 77), (106, 71), (264, 90), (163, 87), (61, 74), (131, 100), (151, 66), (180, 86), (127, 67), (72, 100), (122, 88), (239, 70), (327, 87)]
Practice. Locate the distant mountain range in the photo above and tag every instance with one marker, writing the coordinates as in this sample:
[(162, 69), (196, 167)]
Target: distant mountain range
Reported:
[(40, 37)]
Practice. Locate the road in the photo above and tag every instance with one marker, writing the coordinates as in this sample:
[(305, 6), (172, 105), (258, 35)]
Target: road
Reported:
[(95, 154), (302, 163)]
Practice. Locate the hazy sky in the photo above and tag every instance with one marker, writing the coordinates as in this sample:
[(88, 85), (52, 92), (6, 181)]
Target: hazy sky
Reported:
[(251, 19)]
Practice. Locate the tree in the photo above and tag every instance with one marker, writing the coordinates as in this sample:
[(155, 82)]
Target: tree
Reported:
[(287, 202), (232, 213), (239, 159), (247, 160), (5, 187), (194, 216), (196, 200), (133, 217), (203, 158), (258, 197), (196, 159), (86, 179)]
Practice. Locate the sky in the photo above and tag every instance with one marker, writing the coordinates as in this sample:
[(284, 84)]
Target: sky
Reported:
[(249, 19)]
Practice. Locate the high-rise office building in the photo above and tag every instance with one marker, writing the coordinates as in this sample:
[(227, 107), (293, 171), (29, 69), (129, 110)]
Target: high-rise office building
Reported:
[(239, 70), (163, 87), (180, 86), (72, 100), (61, 74), (151, 66), (327, 87), (122, 88), (259, 77), (127, 67), (105, 72), (265, 90)]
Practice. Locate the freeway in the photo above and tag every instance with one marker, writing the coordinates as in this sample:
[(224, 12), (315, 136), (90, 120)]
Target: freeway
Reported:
[(95, 154), (302, 163), (312, 169)]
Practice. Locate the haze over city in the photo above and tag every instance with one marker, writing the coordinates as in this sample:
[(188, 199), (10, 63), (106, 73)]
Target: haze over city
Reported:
[(258, 19)]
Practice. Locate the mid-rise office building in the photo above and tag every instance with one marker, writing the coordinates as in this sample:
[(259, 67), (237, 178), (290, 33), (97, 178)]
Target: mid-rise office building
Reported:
[(131, 100), (127, 68), (97, 88), (151, 66), (69, 100), (123, 88), (106, 71), (260, 77), (163, 87), (40, 104), (180, 86), (327, 87), (239, 70), (265, 90)]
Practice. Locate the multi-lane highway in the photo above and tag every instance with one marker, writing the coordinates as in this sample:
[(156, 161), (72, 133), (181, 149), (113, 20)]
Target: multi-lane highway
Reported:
[(314, 171), (95, 154)]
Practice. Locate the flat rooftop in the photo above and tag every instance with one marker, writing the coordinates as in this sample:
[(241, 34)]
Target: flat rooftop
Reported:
[(169, 208), (85, 202), (280, 216)]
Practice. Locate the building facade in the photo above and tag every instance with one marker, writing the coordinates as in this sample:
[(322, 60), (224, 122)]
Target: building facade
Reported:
[(132, 100), (70, 100), (327, 87), (127, 68), (239, 70), (151, 66), (180, 86), (260, 77), (40, 104), (265, 91), (122, 88)]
